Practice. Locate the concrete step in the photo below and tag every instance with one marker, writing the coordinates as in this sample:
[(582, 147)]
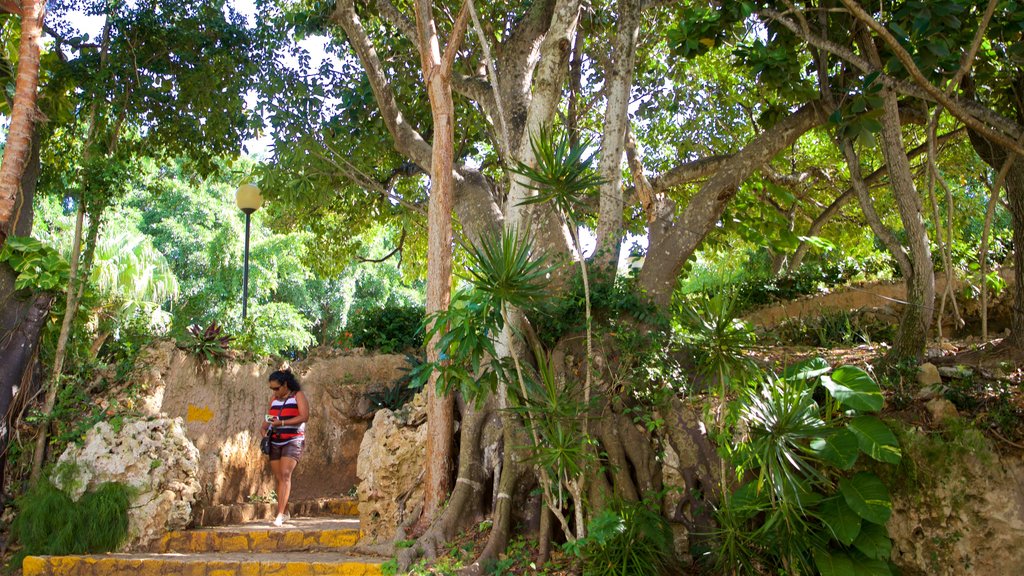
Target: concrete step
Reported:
[(221, 515), (322, 533), (219, 564)]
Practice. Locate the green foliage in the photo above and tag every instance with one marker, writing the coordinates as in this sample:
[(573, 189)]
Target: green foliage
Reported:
[(806, 508), (49, 522), (557, 414), (627, 538), (812, 278), (403, 390), (503, 271), (564, 173), (509, 271), (274, 328), (389, 330), (841, 327), (717, 339), (211, 344), (614, 300), (38, 266)]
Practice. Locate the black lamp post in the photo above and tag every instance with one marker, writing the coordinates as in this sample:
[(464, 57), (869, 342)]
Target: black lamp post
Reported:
[(249, 200)]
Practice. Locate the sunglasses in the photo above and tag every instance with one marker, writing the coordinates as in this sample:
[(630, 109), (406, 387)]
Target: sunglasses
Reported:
[(275, 388)]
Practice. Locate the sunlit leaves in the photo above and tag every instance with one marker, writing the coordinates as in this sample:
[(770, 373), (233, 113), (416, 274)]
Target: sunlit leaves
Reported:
[(37, 265)]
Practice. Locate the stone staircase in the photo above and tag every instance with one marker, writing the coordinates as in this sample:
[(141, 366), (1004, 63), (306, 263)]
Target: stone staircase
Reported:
[(315, 543)]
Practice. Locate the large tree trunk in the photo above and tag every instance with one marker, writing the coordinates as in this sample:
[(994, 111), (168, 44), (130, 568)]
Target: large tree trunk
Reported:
[(18, 149), (613, 142), (440, 407), (22, 315), (919, 311)]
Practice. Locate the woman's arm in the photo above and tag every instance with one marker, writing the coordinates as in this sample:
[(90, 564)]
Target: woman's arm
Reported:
[(303, 405)]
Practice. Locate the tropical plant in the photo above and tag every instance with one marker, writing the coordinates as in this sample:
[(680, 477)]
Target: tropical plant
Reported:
[(627, 538), (803, 506), (718, 340), (37, 265), (50, 522), (211, 344), (404, 388)]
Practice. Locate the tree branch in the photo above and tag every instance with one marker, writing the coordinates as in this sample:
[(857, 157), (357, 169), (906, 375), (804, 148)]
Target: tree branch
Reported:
[(401, 243), (455, 41), (407, 140), (391, 14), (673, 239), (970, 112)]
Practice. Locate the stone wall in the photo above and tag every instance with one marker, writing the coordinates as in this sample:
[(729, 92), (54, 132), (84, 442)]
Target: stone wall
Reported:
[(222, 408), (958, 505)]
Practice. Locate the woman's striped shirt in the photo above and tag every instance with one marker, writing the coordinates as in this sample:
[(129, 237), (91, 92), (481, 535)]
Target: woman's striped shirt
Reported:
[(285, 409)]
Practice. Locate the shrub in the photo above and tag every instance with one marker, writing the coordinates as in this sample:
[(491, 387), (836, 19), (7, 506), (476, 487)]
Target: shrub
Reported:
[(49, 522), (275, 328), (806, 508), (390, 329), (403, 390), (211, 344), (836, 328), (627, 538)]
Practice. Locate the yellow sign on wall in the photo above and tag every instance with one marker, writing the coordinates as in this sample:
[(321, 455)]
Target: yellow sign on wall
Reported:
[(198, 414)]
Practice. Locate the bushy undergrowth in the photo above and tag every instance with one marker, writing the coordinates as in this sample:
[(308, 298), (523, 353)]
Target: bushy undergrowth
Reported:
[(388, 330), (809, 279), (49, 522), (841, 327), (627, 538), (805, 507)]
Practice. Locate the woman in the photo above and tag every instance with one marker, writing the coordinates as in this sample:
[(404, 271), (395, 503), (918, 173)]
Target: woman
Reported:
[(286, 416)]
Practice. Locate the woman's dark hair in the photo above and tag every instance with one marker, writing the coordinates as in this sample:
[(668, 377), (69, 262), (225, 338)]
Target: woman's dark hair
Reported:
[(285, 377)]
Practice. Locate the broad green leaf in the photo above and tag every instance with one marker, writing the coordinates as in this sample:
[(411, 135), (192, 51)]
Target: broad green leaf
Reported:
[(875, 439), (867, 496), (853, 388), (833, 563), (844, 522), (810, 368), (787, 241), (871, 567), (874, 542), (839, 448)]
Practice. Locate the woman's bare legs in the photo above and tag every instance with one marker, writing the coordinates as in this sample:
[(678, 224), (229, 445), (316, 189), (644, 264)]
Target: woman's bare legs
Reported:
[(283, 469)]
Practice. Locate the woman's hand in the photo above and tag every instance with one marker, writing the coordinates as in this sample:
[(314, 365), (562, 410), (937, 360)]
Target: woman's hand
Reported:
[(276, 422)]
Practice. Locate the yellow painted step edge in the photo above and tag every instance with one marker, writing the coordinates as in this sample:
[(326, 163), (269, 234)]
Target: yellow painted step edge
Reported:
[(195, 541), (93, 566)]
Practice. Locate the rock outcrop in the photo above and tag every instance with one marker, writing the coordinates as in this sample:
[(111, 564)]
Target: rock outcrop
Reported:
[(958, 507), (392, 459), (153, 457)]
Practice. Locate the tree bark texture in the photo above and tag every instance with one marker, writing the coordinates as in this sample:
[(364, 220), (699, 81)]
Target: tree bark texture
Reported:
[(616, 123), (919, 311), (18, 149), (440, 407), (673, 239)]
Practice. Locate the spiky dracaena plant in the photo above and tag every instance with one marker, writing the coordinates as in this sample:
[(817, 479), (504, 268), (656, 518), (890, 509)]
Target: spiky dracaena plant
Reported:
[(804, 510)]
